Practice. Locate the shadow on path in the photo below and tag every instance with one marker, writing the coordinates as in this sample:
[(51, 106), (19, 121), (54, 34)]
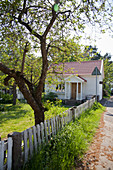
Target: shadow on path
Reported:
[(109, 114), (107, 102)]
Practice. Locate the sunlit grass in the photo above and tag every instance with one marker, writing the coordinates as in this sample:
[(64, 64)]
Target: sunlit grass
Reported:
[(21, 116), (15, 118)]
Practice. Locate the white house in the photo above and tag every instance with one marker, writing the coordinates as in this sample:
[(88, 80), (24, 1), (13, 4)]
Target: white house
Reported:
[(19, 94), (78, 81)]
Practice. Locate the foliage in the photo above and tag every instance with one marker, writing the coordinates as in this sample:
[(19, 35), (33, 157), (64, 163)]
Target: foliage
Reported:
[(108, 73), (6, 98), (96, 106), (91, 53), (68, 50), (20, 117), (51, 96), (54, 110), (65, 150)]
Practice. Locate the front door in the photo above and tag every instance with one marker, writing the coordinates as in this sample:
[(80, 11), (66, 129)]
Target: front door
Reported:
[(73, 90)]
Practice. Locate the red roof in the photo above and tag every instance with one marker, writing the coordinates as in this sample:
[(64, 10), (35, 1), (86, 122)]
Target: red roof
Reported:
[(80, 68)]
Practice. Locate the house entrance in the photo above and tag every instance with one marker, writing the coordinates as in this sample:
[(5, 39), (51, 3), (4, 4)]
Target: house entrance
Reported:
[(73, 90)]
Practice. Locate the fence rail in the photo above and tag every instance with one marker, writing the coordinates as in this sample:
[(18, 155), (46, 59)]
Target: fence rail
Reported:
[(19, 147)]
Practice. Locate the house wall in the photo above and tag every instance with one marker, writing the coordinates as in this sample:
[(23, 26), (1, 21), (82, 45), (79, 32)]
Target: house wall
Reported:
[(89, 88), (100, 91), (52, 88), (19, 94)]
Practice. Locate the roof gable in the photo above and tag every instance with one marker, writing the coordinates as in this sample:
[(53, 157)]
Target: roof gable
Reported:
[(75, 78)]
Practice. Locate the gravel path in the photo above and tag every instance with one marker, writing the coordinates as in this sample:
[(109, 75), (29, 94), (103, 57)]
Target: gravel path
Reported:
[(106, 149), (100, 154)]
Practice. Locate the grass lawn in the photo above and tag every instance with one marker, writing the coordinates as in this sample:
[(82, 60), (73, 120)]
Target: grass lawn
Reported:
[(20, 117)]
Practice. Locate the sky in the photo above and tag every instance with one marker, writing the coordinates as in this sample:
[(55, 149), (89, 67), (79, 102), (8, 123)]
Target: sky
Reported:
[(105, 44), (103, 41)]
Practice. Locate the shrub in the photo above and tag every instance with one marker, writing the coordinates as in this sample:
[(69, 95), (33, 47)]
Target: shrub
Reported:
[(6, 98), (51, 96), (52, 110), (2, 108)]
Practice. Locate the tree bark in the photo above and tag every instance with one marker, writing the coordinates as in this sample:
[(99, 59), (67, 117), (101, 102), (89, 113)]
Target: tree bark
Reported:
[(14, 94), (39, 117)]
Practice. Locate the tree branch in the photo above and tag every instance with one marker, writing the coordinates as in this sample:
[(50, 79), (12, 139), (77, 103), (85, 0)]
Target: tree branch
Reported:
[(64, 12), (65, 18), (6, 80), (16, 75), (30, 85), (24, 4), (5, 69), (57, 48), (24, 54), (24, 10), (30, 29), (54, 15)]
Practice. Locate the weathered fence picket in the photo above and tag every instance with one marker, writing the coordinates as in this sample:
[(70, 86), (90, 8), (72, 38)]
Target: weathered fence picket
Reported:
[(35, 138), (6, 146), (49, 132), (25, 146), (9, 154), (42, 131), (56, 118), (39, 138), (30, 141), (1, 155), (45, 128), (52, 127)]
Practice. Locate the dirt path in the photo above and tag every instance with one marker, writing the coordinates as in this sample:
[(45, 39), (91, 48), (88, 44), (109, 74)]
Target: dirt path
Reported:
[(100, 154)]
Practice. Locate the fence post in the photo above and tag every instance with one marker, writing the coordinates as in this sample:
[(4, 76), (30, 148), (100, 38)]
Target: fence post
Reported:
[(72, 111), (16, 152)]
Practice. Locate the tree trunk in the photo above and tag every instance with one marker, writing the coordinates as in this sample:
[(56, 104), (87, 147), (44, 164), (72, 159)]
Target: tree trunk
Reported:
[(14, 94), (39, 117)]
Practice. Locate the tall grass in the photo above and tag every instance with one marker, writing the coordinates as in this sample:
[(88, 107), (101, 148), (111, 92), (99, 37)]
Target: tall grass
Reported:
[(65, 150)]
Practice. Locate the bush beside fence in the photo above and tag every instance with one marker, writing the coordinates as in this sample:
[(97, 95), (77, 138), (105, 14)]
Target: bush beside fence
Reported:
[(19, 147)]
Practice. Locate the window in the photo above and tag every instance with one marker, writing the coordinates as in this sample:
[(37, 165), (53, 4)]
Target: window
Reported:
[(60, 87)]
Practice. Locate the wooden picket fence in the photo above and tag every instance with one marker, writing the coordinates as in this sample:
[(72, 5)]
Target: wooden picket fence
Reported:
[(19, 147)]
